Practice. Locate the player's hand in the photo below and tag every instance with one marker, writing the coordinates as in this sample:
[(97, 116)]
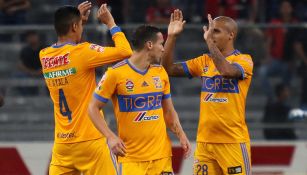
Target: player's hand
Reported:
[(176, 24), (208, 31), (186, 146), (105, 16), (85, 11), (117, 146)]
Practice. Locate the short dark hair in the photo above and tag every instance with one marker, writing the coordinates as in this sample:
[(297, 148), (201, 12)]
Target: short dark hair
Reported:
[(64, 17), (143, 34)]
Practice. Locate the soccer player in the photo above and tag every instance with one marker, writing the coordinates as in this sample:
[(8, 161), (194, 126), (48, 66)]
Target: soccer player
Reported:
[(140, 91), (223, 144), (69, 71)]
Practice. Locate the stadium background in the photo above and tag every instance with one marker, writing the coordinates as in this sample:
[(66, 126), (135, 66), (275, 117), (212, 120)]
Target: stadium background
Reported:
[(26, 119)]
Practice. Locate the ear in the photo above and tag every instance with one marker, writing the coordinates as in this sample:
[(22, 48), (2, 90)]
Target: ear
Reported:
[(74, 27), (231, 36), (149, 45)]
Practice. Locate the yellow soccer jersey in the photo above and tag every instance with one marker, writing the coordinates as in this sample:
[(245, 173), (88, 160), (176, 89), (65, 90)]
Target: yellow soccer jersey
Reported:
[(69, 72), (137, 100), (222, 100)]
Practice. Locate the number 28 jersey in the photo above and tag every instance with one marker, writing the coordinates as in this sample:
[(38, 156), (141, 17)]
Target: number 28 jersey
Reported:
[(69, 72)]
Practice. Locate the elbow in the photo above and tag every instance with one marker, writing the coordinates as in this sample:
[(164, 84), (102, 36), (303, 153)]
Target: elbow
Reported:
[(90, 110), (125, 52)]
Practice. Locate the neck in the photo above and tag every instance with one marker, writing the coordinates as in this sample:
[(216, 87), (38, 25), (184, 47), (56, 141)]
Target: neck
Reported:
[(227, 51), (140, 60), (66, 39)]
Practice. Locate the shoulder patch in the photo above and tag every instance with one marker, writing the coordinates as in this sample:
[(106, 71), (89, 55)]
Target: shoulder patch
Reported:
[(96, 48), (119, 64)]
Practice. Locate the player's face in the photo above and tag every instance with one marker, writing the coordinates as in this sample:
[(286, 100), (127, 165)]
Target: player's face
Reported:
[(157, 49), (221, 36)]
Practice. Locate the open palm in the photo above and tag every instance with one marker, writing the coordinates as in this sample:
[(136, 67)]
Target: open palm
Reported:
[(208, 30), (176, 23)]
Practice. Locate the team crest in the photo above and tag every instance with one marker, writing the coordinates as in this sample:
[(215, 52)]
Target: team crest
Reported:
[(129, 85), (157, 82)]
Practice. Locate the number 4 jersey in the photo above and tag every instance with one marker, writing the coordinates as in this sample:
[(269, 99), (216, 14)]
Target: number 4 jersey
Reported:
[(69, 72)]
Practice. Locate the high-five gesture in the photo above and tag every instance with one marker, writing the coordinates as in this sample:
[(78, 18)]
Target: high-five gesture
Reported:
[(85, 11), (105, 16), (176, 23), (208, 31)]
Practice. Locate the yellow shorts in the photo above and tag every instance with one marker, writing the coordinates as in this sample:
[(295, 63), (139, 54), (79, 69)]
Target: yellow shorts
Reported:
[(154, 167), (90, 158), (220, 158)]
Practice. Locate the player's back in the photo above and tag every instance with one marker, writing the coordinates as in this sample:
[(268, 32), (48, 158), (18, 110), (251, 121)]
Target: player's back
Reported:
[(70, 76)]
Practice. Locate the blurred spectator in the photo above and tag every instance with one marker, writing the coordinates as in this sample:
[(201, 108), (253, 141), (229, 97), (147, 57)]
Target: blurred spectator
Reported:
[(193, 10), (301, 10), (277, 113), (280, 54), (300, 47), (240, 10), (29, 65), (117, 8), (160, 12), (13, 11)]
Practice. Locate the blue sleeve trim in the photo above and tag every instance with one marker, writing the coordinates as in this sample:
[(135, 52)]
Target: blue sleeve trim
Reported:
[(166, 96), (115, 30), (186, 69), (241, 69), (100, 98)]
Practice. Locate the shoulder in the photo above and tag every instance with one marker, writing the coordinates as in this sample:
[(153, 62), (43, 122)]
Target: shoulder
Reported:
[(157, 67), (119, 65)]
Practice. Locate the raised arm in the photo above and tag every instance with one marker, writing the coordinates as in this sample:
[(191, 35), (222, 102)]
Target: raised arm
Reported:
[(84, 9), (173, 123), (174, 29), (116, 145), (223, 66), (122, 45)]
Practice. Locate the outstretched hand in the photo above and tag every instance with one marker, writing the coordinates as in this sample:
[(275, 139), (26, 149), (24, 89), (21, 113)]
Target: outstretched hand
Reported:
[(176, 24), (208, 31), (85, 11), (105, 16)]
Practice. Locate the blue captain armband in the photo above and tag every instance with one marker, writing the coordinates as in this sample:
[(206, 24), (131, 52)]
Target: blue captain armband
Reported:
[(114, 30)]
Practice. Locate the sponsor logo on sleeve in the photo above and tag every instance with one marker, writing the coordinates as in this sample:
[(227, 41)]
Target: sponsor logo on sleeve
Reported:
[(97, 48), (235, 170)]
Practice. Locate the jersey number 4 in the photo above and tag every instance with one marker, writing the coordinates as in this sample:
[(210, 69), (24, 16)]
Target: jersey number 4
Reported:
[(64, 109)]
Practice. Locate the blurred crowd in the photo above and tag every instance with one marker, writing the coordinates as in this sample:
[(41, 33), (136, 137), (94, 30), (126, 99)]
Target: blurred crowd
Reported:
[(279, 51)]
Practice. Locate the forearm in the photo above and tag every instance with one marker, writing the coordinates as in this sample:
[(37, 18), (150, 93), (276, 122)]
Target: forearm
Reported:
[(100, 123), (121, 43), (168, 58), (173, 123), (222, 65)]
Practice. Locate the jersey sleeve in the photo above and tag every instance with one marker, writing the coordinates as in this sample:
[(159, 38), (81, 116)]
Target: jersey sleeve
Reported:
[(106, 87), (166, 88), (194, 67), (245, 64), (98, 55)]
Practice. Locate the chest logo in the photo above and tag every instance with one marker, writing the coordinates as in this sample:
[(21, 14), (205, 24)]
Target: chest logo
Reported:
[(143, 117), (157, 82), (129, 85), (205, 70), (145, 84)]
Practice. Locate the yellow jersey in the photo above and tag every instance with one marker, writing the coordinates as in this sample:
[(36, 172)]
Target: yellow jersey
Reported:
[(69, 72), (222, 100), (137, 100)]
